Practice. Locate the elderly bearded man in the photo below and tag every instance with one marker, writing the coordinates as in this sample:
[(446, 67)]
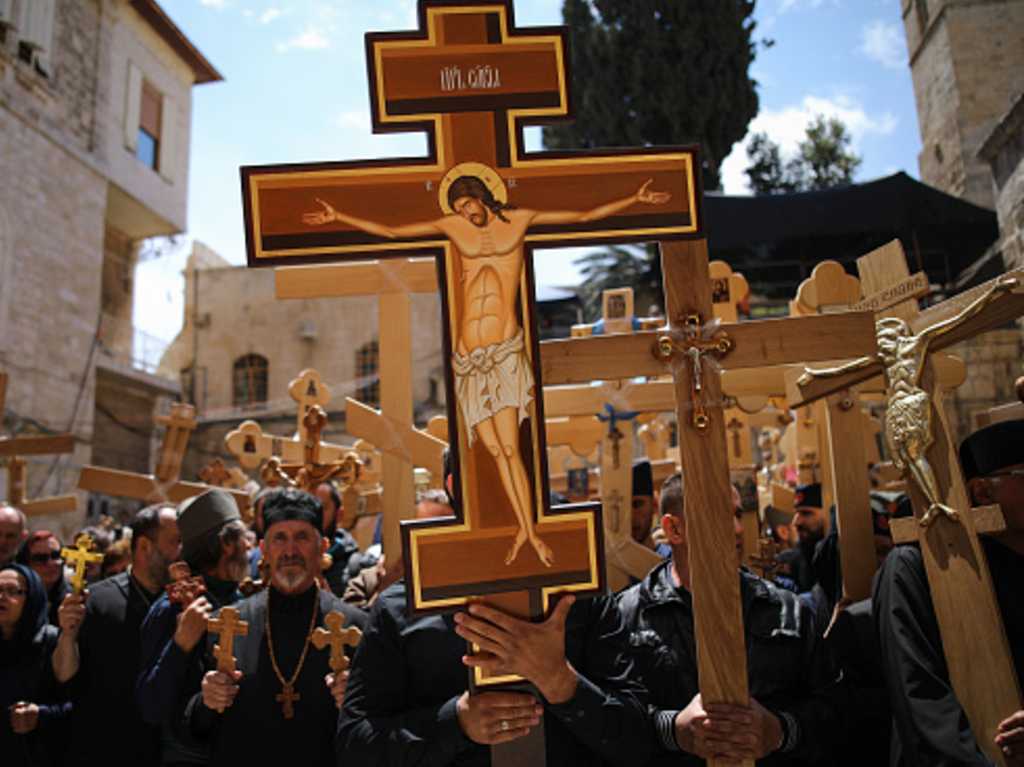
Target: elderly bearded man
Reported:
[(275, 659)]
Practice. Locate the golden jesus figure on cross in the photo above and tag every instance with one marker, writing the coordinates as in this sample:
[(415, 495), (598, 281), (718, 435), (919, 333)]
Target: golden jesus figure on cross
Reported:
[(493, 376)]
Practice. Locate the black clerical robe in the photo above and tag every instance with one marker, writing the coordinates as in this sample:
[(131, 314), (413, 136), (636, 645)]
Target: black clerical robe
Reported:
[(253, 730), (929, 725), (102, 690)]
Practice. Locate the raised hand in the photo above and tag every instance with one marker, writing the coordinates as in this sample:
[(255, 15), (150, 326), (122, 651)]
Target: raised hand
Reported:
[(320, 217), (192, 624), (24, 717), (71, 613), (337, 683), (645, 195), (497, 717), (534, 651)]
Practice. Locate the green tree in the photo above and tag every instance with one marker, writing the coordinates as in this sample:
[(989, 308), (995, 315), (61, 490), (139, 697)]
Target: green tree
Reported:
[(660, 72), (823, 160)]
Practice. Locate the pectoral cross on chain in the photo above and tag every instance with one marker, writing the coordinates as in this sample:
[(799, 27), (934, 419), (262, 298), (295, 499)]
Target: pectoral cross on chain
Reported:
[(287, 698)]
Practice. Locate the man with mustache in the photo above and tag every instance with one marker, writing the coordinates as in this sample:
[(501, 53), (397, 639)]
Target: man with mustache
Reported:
[(97, 654), (275, 659), (215, 548)]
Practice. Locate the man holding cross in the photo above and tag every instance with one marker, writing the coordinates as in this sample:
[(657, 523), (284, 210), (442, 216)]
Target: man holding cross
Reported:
[(280, 683), (931, 727), (793, 713), (97, 654), (492, 368)]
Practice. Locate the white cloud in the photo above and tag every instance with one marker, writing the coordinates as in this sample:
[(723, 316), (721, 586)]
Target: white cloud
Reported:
[(269, 15), (310, 40), (786, 127), (218, 4), (883, 43)]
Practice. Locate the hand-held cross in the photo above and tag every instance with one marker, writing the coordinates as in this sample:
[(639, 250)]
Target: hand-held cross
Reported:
[(337, 638), (227, 627), (81, 556)]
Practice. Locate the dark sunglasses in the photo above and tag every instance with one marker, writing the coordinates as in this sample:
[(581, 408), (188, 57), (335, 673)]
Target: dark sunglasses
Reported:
[(42, 559)]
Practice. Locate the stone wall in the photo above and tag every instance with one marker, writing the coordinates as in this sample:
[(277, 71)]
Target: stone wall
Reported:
[(967, 63), (994, 362)]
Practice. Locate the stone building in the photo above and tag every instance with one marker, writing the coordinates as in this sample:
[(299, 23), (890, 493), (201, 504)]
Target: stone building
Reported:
[(95, 115), (239, 347), (967, 64)]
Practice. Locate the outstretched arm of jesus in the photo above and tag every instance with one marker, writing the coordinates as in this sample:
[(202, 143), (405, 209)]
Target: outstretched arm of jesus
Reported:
[(810, 374), (642, 195), (1002, 285), (329, 214)]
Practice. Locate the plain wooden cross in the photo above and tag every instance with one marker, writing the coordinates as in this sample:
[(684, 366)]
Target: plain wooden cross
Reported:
[(80, 557), (337, 639), (721, 651), (507, 545), (166, 486), (215, 473), (392, 281), (227, 626), (980, 665)]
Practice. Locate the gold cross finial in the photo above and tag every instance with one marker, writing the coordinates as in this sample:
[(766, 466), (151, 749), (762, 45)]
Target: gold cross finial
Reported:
[(80, 557)]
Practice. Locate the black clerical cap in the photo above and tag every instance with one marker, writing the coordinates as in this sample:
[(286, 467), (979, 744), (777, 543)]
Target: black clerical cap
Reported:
[(808, 495), (992, 448), (643, 478), (290, 504), (202, 514)]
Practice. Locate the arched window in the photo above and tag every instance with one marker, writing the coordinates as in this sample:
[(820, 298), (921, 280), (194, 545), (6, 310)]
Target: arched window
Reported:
[(367, 373), (249, 382)]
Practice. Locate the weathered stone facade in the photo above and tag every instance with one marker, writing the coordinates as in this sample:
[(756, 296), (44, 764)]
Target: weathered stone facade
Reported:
[(75, 203), (234, 313), (967, 62), (1004, 151)]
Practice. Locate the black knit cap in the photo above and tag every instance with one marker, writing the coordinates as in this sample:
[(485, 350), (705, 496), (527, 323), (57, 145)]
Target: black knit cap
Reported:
[(808, 495), (290, 504), (643, 478), (992, 448), (203, 514)]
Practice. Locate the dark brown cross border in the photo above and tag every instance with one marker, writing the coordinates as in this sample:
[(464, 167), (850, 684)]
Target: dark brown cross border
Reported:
[(472, 81)]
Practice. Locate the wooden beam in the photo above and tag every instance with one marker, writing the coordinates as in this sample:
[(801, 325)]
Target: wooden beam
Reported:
[(988, 520), (755, 344), (405, 275), (20, 446), (126, 484)]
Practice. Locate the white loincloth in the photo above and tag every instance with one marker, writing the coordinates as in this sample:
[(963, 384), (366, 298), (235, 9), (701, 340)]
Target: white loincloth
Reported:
[(492, 378)]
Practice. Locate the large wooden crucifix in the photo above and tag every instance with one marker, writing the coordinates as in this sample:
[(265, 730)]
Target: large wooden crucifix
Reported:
[(695, 357), (480, 204), (919, 440), (392, 281), (164, 483)]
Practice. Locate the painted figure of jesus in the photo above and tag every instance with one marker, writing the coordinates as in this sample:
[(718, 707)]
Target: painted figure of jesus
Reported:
[(493, 378)]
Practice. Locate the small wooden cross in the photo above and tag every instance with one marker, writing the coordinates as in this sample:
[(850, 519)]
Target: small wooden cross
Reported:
[(81, 556), (337, 639), (287, 698), (215, 473), (184, 588), (227, 626)]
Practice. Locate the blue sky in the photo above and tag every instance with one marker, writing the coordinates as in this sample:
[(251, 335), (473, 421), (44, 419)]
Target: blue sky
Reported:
[(295, 90)]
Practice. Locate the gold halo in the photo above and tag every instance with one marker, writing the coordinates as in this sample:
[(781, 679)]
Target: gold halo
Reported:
[(483, 172)]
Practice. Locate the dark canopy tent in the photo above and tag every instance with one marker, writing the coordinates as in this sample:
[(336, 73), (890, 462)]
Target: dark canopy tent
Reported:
[(776, 240)]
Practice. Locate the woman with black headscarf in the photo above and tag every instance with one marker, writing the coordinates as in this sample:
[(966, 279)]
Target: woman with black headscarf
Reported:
[(31, 718)]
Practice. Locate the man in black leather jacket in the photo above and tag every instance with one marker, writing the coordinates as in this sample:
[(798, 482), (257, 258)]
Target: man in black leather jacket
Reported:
[(792, 717)]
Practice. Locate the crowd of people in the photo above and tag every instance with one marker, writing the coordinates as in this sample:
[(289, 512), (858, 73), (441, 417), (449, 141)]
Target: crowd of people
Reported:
[(130, 672)]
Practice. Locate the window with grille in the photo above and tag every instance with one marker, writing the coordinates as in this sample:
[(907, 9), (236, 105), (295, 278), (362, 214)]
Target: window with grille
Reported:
[(367, 373), (250, 381)]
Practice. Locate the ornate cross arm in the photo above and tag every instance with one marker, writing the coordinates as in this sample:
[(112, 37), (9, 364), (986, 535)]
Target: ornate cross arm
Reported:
[(987, 307)]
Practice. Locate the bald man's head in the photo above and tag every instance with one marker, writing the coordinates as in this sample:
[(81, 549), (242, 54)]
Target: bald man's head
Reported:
[(13, 530)]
